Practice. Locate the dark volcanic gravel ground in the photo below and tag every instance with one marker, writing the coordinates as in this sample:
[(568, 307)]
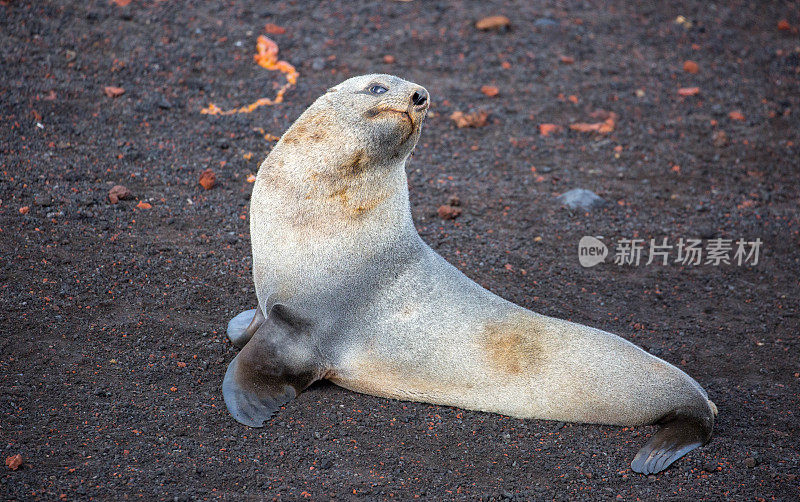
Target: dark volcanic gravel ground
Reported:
[(113, 316)]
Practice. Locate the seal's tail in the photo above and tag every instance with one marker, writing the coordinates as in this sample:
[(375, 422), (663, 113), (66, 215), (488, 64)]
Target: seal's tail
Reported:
[(680, 432)]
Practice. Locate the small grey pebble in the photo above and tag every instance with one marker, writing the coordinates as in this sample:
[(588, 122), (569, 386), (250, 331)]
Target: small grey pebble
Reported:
[(580, 198), (544, 22)]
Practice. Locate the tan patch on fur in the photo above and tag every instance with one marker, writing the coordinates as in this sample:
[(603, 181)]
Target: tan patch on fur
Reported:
[(347, 187), (294, 135), (341, 196), (365, 205), (355, 166), (512, 346), (273, 177), (313, 128)]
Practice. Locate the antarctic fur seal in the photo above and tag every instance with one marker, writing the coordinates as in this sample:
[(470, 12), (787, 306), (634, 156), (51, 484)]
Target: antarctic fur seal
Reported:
[(348, 291)]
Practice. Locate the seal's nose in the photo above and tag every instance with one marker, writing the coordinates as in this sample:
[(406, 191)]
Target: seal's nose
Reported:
[(420, 98)]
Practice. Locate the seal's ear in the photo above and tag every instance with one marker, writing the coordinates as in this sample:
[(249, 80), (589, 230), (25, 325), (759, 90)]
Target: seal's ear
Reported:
[(278, 363)]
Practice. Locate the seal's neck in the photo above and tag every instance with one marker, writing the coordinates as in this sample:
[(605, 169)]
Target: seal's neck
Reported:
[(319, 192)]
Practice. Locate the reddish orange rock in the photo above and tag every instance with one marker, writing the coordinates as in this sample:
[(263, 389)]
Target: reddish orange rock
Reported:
[(144, 205), (493, 23), (274, 29), (24, 209), (736, 115), (784, 25), (567, 59), (474, 119), (548, 129), (118, 193), (604, 127), (587, 127), (448, 212), (691, 67), (490, 90), (113, 92), (688, 91), (208, 179), (14, 461), (388, 59)]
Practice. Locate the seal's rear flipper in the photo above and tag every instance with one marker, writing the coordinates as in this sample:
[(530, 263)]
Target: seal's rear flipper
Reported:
[(277, 363), (679, 434), (242, 327)]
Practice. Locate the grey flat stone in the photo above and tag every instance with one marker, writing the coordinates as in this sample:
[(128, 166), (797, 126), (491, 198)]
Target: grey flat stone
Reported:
[(580, 198), (545, 21)]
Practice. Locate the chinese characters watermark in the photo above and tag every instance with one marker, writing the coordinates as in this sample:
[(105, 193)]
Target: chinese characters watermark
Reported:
[(688, 252)]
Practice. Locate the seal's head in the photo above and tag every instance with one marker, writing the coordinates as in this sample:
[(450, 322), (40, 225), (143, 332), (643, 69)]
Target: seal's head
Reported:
[(389, 111), (381, 115)]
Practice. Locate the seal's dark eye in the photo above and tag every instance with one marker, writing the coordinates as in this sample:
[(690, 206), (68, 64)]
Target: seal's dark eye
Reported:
[(378, 89)]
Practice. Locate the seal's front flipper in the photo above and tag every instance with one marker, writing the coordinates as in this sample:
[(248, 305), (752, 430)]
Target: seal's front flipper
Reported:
[(277, 363), (242, 327), (679, 434)]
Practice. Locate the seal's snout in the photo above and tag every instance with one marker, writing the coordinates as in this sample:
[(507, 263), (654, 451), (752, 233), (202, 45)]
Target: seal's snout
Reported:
[(420, 99)]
